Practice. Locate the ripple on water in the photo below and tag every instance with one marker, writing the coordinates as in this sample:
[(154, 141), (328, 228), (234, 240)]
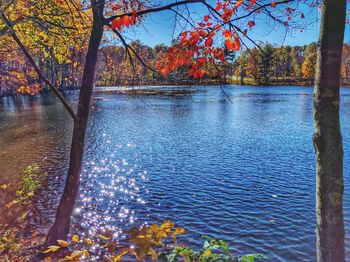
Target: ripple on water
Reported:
[(241, 171)]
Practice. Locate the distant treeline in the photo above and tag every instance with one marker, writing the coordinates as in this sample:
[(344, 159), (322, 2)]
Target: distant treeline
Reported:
[(287, 65), (114, 68), (268, 65)]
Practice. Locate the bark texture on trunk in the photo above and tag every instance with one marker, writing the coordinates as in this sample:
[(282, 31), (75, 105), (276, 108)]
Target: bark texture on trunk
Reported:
[(327, 138), (60, 228)]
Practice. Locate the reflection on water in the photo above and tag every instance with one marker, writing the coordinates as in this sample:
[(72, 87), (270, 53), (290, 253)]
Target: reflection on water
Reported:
[(243, 172), (110, 187)]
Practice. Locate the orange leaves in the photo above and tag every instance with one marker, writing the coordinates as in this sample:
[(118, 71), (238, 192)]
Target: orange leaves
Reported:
[(202, 60), (251, 24), (125, 20), (116, 7), (238, 4), (130, 9), (218, 53), (196, 73), (183, 38), (228, 8), (208, 42), (196, 50), (117, 24), (233, 44), (218, 6), (194, 38), (252, 3), (226, 16), (32, 89), (227, 34), (175, 56)]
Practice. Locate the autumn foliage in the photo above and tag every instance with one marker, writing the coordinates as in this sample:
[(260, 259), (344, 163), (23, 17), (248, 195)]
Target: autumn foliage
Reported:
[(202, 48), (127, 13), (54, 31), (195, 48)]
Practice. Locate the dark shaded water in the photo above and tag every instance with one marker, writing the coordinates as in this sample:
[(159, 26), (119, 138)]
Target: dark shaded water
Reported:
[(240, 171)]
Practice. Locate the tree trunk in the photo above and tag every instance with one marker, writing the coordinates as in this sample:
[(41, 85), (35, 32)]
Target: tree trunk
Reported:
[(242, 79), (327, 138), (60, 228)]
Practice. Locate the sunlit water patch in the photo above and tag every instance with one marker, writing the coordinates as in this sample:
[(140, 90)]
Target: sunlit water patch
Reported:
[(112, 194), (241, 171)]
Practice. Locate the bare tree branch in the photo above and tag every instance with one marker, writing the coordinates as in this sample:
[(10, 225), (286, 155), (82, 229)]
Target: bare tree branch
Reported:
[(128, 47), (156, 9)]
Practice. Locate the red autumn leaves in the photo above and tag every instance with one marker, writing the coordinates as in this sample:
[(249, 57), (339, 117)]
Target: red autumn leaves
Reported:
[(195, 49), (125, 20), (128, 19)]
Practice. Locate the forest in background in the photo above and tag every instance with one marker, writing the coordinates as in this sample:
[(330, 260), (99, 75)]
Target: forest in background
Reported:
[(271, 65)]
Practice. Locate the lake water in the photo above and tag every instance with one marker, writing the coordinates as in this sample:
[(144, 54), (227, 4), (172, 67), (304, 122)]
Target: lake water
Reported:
[(242, 171)]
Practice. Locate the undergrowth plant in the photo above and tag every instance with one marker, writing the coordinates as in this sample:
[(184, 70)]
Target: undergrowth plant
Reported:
[(148, 243)]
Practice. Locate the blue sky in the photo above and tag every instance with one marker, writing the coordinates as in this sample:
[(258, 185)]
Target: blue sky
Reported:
[(159, 28)]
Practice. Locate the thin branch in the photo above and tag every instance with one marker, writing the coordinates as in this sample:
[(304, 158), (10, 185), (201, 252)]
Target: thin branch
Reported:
[(156, 9), (128, 47)]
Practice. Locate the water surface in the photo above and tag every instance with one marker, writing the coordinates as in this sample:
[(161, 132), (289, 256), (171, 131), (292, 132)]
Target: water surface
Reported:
[(241, 171)]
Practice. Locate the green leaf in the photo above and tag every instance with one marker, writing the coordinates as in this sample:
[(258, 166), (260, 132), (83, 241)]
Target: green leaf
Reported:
[(252, 257)]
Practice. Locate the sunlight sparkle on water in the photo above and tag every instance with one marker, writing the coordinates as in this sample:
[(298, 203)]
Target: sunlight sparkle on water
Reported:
[(109, 193)]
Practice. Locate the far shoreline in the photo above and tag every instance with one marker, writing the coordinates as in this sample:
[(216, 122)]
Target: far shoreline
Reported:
[(123, 89)]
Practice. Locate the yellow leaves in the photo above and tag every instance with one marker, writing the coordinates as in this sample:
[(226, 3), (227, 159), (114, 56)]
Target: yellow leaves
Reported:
[(76, 255), (32, 89), (167, 226), (146, 243), (148, 239), (63, 243), (104, 237), (207, 253), (51, 249), (4, 186), (153, 254), (307, 68), (120, 256), (58, 24), (75, 238), (180, 231), (9, 205), (177, 231), (5, 239), (88, 241), (24, 215)]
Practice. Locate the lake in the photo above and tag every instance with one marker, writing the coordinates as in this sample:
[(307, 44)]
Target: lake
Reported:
[(241, 170)]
